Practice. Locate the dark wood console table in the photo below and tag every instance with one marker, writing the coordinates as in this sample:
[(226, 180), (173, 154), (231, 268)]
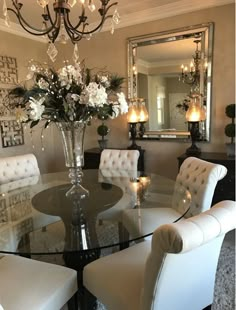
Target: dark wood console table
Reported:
[(225, 189), (92, 159)]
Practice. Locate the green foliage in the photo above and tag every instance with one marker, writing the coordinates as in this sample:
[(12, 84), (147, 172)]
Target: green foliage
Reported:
[(102, 130), (230, 128), (230, 110), (116, 82)]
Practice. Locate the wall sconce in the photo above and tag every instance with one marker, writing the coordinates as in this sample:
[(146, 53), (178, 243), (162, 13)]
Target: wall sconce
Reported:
[(194, 115), (133, 119), (143, 116)]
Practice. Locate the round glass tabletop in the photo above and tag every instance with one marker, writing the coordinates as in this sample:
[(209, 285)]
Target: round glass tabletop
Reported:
[(36, 216)]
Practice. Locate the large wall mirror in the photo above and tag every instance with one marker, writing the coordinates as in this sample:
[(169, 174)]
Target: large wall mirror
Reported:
[(166, 69)]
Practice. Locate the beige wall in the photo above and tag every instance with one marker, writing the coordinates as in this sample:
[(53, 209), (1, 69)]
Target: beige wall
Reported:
[(109, 50)]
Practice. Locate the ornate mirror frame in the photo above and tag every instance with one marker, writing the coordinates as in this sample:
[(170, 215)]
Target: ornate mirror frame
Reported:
[(166, 43)]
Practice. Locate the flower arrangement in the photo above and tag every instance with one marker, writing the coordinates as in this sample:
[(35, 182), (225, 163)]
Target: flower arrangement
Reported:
[(70, 94)]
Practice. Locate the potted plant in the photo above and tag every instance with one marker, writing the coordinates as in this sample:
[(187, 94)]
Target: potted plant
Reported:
[(102, 131), (230, 129)]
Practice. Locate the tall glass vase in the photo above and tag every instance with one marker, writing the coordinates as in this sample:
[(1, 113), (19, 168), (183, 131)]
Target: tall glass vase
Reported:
[(72, 134)]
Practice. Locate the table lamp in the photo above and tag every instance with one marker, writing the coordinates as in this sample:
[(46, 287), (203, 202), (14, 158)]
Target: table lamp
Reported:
[(194, 115), (133, 119)]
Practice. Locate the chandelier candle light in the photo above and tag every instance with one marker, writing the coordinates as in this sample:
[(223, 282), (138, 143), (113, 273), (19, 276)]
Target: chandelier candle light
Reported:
[(69, 97), (60, 27)]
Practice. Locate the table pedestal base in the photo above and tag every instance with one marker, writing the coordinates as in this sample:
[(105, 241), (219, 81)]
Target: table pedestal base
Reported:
[(78, 261)]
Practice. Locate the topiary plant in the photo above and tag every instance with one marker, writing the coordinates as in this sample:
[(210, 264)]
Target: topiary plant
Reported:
[(230, 128), (102, 131)]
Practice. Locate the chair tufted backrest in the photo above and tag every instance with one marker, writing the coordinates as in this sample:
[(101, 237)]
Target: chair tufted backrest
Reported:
[(18, 167), (200, 178), (183, 260), (119, 159)]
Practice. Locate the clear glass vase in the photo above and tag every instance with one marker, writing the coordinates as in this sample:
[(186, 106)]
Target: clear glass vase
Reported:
[(72, 134)]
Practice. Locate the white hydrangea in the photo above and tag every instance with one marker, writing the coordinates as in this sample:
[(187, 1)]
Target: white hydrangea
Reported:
[(68, 74), (37, 108), (43, 84), (97, 95)]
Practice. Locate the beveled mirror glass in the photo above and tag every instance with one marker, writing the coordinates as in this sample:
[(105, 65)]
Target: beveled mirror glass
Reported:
[(159, 71)]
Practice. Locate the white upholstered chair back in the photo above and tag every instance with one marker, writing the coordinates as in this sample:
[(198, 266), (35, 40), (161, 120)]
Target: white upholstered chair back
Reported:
[(180, 270), (18, 167), (200, 178), (119, 159)]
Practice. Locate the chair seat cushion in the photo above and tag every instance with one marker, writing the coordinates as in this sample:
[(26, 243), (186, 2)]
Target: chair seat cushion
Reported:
[(28, 284), (125, 270)]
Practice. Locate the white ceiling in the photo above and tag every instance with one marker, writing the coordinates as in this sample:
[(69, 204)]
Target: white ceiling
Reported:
[(131, 11)]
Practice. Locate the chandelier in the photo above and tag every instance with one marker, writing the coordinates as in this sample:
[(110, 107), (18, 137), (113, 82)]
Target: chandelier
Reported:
[(59, 27), (192, 75)]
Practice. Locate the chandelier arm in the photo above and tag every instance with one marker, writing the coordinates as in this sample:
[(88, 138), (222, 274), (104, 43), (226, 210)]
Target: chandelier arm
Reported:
[(24, 25), (71, 34), (55, 31), (74, 28), (69, 27), (49, 15)]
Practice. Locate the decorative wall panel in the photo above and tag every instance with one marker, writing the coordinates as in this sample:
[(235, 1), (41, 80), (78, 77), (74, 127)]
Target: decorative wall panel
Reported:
[(8, 70), (12, 133)]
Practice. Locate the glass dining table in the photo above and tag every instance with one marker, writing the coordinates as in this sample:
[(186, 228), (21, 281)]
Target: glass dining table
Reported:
[(37, 218)]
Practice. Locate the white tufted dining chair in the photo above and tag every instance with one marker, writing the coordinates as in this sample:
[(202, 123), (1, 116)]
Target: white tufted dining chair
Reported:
[(173, 271), (197, 176), (17, 173), (119, 159), (27, 284), (18, 167), (118, 167)]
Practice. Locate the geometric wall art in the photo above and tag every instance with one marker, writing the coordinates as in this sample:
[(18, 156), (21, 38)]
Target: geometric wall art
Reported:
[(8, 70), (12, 133)]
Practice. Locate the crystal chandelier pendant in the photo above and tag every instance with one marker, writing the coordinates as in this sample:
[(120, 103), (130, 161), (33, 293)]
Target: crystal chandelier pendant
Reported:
[(91, 6), (116, 17), (72, 3), (112, 27), (43, 3), (5, 14), (75, 56), (52, 51)]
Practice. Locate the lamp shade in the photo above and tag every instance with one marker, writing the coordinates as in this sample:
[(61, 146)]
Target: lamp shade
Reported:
[(194, 112), (133, 114), (143, 113)]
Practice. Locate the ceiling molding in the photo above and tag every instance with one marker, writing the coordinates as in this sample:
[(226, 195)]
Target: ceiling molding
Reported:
[(152, 14), (17, 30), (166, 10)]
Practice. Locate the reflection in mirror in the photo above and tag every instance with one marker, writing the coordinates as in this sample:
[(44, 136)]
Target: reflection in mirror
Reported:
[(168, 69)]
